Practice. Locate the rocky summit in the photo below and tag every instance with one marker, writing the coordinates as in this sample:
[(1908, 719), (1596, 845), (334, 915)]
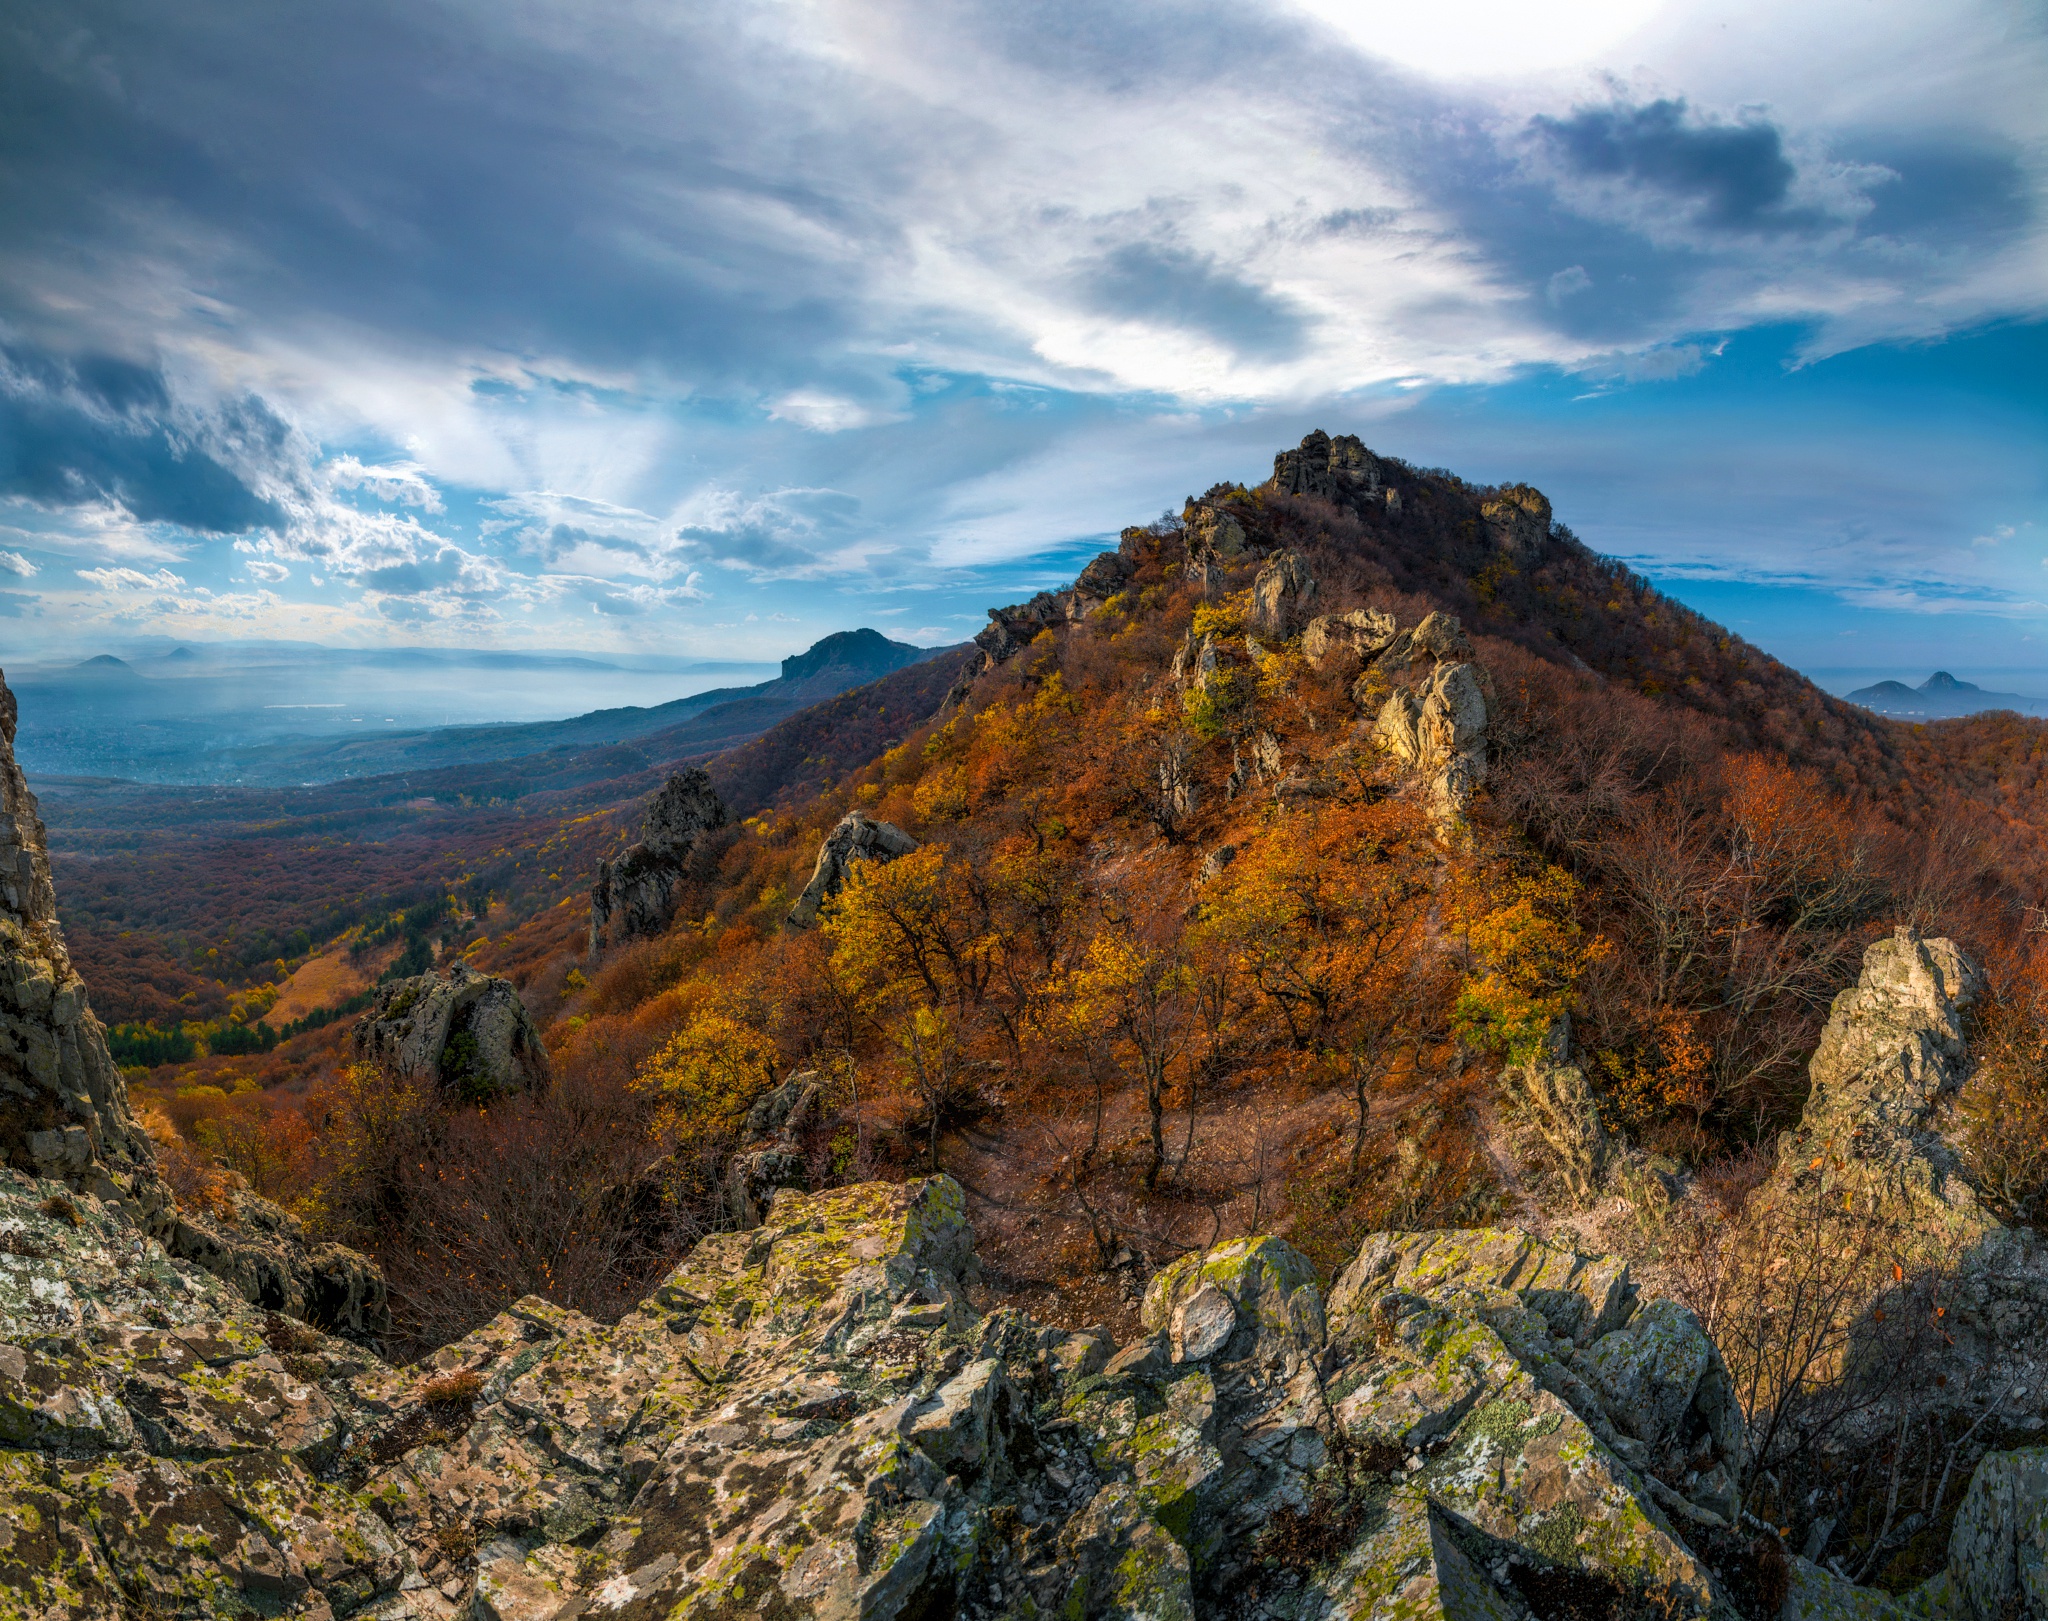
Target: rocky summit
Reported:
[(812, 1418)]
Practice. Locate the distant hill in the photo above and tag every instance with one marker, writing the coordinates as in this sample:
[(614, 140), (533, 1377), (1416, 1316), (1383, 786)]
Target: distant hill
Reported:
[(107, 719), (1940, 696)]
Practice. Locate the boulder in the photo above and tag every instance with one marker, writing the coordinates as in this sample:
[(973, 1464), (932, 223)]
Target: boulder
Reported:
[(857, 838), (1355, 637), (1281, 594), (639, 887), (466, 1032)]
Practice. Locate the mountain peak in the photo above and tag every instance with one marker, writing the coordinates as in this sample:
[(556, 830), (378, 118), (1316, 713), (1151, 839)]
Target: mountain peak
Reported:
[(862, 649), (1942, 681)]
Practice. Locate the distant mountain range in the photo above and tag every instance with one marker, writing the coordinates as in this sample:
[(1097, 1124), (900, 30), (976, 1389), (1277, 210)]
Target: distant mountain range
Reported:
[(104, 717), (1940, 696)]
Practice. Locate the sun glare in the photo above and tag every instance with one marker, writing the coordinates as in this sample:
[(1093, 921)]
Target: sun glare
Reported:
[(1483, 38)]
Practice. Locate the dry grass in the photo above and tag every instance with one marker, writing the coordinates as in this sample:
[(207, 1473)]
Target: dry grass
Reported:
[(320, 982)]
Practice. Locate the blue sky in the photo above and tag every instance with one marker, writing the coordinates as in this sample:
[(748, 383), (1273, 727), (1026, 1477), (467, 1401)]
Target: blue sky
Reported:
[(705, 330)]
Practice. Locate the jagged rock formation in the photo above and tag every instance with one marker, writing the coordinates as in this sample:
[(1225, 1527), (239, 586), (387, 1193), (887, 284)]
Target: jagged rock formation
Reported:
[(1327, 467), (811, 1419), (1436, 729), (1518, 517), (769, 1158), (1357, 636), (466, 1032), (1558, 1100), (639, 888), (65, 1122), (1892, 1049), (63, 1106), (1281, 594), (857, 838)]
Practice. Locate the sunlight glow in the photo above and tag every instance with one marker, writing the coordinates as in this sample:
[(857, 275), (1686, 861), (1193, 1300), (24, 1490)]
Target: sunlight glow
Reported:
[(1472, 38)]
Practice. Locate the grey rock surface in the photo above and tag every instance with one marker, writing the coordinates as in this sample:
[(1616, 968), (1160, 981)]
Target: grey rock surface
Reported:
[(812, 1419), (858, 837), (1282, 592), (466, 1032), (638, 889)]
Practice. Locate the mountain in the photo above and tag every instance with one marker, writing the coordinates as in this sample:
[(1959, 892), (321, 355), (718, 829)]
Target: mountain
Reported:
[(224, 726), (1346, 881), (1941, 695)]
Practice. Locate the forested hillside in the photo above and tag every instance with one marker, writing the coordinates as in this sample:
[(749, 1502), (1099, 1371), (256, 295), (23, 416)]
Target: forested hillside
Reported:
[(1355, 852)]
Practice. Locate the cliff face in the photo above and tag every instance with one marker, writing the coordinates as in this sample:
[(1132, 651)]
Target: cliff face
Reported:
[(65, 1122), (63, 1108)]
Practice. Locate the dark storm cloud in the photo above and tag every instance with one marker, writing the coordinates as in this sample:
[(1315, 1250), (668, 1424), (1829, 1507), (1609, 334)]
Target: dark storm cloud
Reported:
[(101, 429), (1172, 287), (1736, 176)]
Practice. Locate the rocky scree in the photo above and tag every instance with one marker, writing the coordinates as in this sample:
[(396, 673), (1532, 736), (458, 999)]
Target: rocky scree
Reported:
[(811, 1419)]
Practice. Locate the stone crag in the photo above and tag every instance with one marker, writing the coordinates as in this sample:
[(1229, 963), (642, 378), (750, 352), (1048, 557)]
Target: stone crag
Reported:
[(638, 889), (466, 1032), (811, 1419), (858, 837)]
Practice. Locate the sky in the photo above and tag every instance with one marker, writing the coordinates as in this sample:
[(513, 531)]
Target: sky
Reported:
[(703, 330)]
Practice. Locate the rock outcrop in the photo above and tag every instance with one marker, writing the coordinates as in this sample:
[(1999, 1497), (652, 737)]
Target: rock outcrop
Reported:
[(858, 837), (638, 889), (812, 1419), (1355, 637), (1558, 1101), (770, 1158), (1518, 517), (66, 1125), (466, 1032), (1281, 594), (63, 1106), (1436, 728), (1892, 1050), (1327, 467)]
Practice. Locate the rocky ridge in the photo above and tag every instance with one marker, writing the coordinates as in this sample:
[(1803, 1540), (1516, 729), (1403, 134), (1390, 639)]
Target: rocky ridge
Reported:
[(812, 1418)]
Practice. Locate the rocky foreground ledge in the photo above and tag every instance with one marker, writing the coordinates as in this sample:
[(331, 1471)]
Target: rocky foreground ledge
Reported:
[(810, 1419)]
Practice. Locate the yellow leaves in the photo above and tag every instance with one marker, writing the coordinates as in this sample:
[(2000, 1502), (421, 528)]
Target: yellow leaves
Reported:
[(1532, 952), (1224, 617), (707, 1074)]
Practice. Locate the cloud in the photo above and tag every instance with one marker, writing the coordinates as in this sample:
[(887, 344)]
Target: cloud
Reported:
[(129, 579), (1731, 177), (16, 605), (402, 483), (1169, 286), (264, 569), (98, 429), (15, 563)]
